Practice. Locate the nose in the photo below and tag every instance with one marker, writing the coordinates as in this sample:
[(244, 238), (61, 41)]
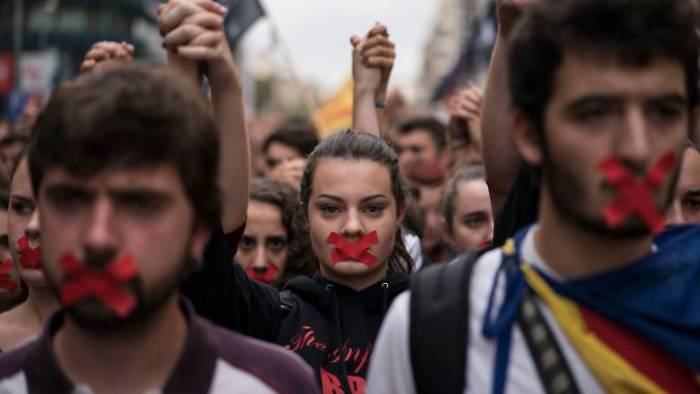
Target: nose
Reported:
[(674, 215), (633, 146), (100, 233), (353, 226), (32, 230), (260, 261)]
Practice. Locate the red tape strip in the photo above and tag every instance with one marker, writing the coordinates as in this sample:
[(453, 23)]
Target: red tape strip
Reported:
[(484, 245), (28, 258), (81, 283), (359, 250), (5, 281), (634, 196), (265, 277)]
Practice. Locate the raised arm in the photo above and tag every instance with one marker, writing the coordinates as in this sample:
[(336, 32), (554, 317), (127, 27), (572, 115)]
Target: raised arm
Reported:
[(193, 33), (373, 59), (500, 156)]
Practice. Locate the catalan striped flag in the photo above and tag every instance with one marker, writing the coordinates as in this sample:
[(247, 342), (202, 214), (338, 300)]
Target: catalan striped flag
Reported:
[(335, 114)]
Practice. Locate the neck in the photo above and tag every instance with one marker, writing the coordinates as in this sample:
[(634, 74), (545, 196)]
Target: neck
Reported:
[(144, 355), (357, 282), (42, 301), (575, 252)]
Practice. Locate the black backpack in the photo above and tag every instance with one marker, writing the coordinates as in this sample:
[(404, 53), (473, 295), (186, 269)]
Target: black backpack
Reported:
[(439, 320)]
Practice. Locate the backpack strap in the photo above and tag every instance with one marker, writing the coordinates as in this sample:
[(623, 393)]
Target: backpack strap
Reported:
[(439, 326), (552, 367)]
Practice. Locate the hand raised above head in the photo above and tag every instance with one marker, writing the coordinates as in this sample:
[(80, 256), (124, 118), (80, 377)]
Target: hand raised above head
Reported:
[(467, 103), (373, 59), (106, 53)]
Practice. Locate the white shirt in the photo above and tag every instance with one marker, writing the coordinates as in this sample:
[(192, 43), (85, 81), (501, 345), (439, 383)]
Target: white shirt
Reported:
[(390, 368)]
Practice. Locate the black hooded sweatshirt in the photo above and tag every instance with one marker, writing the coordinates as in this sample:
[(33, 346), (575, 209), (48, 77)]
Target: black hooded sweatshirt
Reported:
[(332, 327)]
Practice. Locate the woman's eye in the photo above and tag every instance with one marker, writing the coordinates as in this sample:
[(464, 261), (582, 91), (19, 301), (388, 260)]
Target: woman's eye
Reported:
[(276, 245), (329, 209), (474, 222), (374, 208), (22, 208), (692, 204), (246, 243)]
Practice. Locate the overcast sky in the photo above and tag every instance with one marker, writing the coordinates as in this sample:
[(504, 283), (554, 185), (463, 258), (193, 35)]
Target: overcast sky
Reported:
[(316, 33)]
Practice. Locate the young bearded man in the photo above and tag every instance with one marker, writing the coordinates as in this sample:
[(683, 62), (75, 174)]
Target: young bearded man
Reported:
[(124, 163), (586, 300)]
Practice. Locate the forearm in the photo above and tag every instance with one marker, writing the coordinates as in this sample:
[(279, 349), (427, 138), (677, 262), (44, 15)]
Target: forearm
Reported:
[(186, 68), (500, 155), (234, 164), (364, 115)]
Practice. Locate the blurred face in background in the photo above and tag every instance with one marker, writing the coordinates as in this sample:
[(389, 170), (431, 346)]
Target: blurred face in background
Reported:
[(685, 208), (415, 147), (471, 225), (433, 222), (262, 250)]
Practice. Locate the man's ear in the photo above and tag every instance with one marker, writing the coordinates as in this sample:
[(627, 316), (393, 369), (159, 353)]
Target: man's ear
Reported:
[(527, 139), (200, 239)]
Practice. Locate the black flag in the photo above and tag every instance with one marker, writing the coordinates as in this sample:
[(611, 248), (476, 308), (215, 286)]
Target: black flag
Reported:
[(241, 15)]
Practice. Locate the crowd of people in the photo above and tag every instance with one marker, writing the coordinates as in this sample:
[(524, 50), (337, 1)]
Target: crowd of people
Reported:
[(544, 238)]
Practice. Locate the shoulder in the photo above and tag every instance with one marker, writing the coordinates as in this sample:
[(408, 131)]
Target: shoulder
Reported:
[(13, 330), (13, 362), (279, 369)]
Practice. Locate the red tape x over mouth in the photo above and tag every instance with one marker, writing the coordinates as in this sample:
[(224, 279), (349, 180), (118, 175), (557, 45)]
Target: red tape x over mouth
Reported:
[(5, 281), (358, 250), (29, 258), (265, 277), (105, 284), (634, 196)]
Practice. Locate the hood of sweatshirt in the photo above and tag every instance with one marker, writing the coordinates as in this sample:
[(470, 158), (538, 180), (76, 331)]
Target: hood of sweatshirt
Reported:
[(333, 327)]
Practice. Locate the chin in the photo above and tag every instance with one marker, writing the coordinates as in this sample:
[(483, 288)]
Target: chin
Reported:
[(34, 277), (629, 229), (350, 268)]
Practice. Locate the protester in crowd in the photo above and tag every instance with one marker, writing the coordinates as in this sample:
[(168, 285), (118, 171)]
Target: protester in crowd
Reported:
[(585, 300), (371, 111), (464, 126), (194, 40), (685, 208), (425, 160), (264, 249), (423, 152), (126, 180), (354, 236), (26, 320), (12, 290), (466, 210), (307, 303), (433, 231), (286, 149)]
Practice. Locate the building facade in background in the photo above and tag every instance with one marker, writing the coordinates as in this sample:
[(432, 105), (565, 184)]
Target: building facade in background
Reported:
[(57, 33), (458, 48)]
